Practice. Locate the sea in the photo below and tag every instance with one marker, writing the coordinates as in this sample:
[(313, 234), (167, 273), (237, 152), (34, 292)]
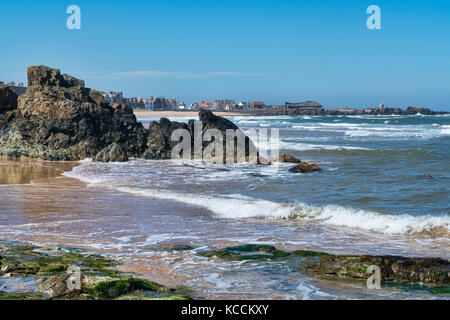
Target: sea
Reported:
[(383, 190)]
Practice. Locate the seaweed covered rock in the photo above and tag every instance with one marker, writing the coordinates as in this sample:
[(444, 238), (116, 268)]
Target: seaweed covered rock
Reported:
[(433, 273), (246, 252), (59, 119), (49, 267), (395, 269)]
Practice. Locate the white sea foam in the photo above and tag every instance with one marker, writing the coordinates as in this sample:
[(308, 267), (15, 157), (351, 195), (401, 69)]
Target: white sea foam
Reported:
[(293, 144), (239, 208)]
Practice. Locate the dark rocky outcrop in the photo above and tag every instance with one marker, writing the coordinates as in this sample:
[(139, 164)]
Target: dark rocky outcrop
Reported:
[(287, 158), (8, 99), (8, 105), (304, 167), (59, 119), (160, 144)]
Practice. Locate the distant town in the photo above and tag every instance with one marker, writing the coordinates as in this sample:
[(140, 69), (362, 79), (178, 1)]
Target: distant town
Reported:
[(245, 107), (255, 107)]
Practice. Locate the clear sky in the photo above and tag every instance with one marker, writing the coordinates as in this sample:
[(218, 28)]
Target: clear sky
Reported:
[(274, 51)]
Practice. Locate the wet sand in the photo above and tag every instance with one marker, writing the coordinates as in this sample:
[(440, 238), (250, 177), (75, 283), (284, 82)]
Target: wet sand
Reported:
[(51, 209), (23, 171)]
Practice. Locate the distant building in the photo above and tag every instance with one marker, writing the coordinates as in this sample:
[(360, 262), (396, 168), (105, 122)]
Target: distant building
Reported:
[(114, 97), (257, 104), (243, 105), (304, 106)]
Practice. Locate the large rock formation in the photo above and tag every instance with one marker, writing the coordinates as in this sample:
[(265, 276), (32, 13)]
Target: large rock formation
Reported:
[(59, 119), (160, 143)]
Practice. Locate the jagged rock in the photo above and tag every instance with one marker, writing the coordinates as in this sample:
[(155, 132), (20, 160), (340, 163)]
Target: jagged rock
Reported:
[(159, 142), (59, 119), (287, 158), (113, 153), (419, 110), (304, 167), (49, 77)]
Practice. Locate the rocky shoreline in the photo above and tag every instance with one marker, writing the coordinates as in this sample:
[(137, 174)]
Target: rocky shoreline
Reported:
[(49, 270), (381, 111), (432, 274), (59, 119)]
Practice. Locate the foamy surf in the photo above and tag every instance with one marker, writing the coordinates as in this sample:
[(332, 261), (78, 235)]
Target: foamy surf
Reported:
[(235, 208)]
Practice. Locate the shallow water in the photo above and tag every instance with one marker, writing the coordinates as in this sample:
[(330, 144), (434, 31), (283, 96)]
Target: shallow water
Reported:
[(372, 197)]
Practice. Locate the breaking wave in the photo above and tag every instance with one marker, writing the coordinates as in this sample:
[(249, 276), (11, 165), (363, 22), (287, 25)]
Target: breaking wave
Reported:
[(239, 207)]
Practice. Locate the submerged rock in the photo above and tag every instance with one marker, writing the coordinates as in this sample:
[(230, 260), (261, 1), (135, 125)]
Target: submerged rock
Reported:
[(182, 247), (395, 269), (304, 167), (246, 252), (431, 272)]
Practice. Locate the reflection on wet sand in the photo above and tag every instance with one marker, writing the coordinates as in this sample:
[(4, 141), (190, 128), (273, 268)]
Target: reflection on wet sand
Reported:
[(139, 231), (21, 171)]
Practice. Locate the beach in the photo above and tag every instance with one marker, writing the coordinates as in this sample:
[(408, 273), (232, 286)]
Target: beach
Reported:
[(137, 211)]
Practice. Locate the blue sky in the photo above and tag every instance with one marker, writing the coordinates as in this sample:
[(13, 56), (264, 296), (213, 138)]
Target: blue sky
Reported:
[(274, 51)]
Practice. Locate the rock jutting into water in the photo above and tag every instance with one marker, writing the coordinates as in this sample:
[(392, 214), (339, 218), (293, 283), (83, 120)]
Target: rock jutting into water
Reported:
[(433, 273), (58, 118), (304, 167)]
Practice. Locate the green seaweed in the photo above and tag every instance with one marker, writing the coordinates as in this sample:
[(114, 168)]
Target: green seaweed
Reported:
[(309, 253), (21, 296), (440, 290), (121, 286), (246, 252)]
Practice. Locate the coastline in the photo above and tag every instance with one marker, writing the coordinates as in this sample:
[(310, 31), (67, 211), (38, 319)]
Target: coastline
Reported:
[(51, 184), (194, 114)]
